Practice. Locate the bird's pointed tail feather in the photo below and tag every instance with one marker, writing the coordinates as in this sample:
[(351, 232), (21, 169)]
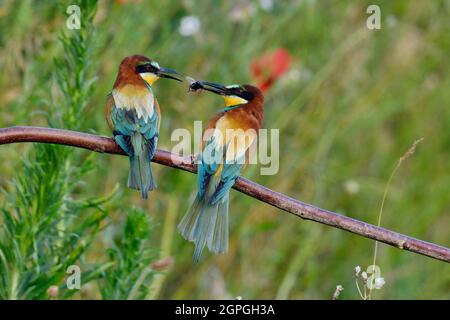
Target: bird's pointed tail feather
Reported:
[(140, 177), (206, 225)]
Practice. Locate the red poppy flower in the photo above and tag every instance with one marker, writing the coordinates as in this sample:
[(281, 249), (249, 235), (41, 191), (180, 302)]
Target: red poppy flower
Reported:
[(269, 67)]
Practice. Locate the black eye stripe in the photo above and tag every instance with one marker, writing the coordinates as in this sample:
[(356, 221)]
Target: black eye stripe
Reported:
[(141, 68), (241, 92), (147, 67), (246, 95)]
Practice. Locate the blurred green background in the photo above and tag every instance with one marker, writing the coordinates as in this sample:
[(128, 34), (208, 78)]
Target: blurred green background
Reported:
[(352, 102)]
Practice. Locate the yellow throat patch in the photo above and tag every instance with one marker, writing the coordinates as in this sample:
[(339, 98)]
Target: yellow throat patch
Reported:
[(149, 77), (233, 101)]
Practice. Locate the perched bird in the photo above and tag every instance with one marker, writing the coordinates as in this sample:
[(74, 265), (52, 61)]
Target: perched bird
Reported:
[(133, 115), (226, 146)]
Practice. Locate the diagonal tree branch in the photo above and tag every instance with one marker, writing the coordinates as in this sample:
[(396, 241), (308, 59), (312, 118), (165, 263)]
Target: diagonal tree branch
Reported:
[(276, 199)]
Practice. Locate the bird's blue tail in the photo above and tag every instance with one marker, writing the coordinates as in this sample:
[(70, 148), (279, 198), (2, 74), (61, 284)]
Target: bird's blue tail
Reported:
[(140, 177), (206, 224)]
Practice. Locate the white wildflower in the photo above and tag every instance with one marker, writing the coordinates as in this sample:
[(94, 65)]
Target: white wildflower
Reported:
[(379, 283), (242, 11), (357, 270), (338, 291), (266, 5), (189, 26), (294, 74), (351, 186), (364, 275)]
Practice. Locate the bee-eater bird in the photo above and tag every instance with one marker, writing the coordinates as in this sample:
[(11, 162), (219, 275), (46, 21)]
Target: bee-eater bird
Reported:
[(133, 115), (227, 142)]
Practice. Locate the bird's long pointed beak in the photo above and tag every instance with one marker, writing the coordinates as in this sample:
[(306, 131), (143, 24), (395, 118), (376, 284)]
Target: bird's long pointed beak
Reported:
[(216, 88), (168, 73)]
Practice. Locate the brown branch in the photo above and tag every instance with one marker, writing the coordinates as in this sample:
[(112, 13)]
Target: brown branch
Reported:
[(276, 199)]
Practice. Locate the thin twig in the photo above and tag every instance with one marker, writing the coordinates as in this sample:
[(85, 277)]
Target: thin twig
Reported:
[(276, 199)]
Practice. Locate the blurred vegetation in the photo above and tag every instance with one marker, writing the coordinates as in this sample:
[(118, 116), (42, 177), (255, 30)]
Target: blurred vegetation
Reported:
[(131, 276), (351, 105), (44, 230)]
